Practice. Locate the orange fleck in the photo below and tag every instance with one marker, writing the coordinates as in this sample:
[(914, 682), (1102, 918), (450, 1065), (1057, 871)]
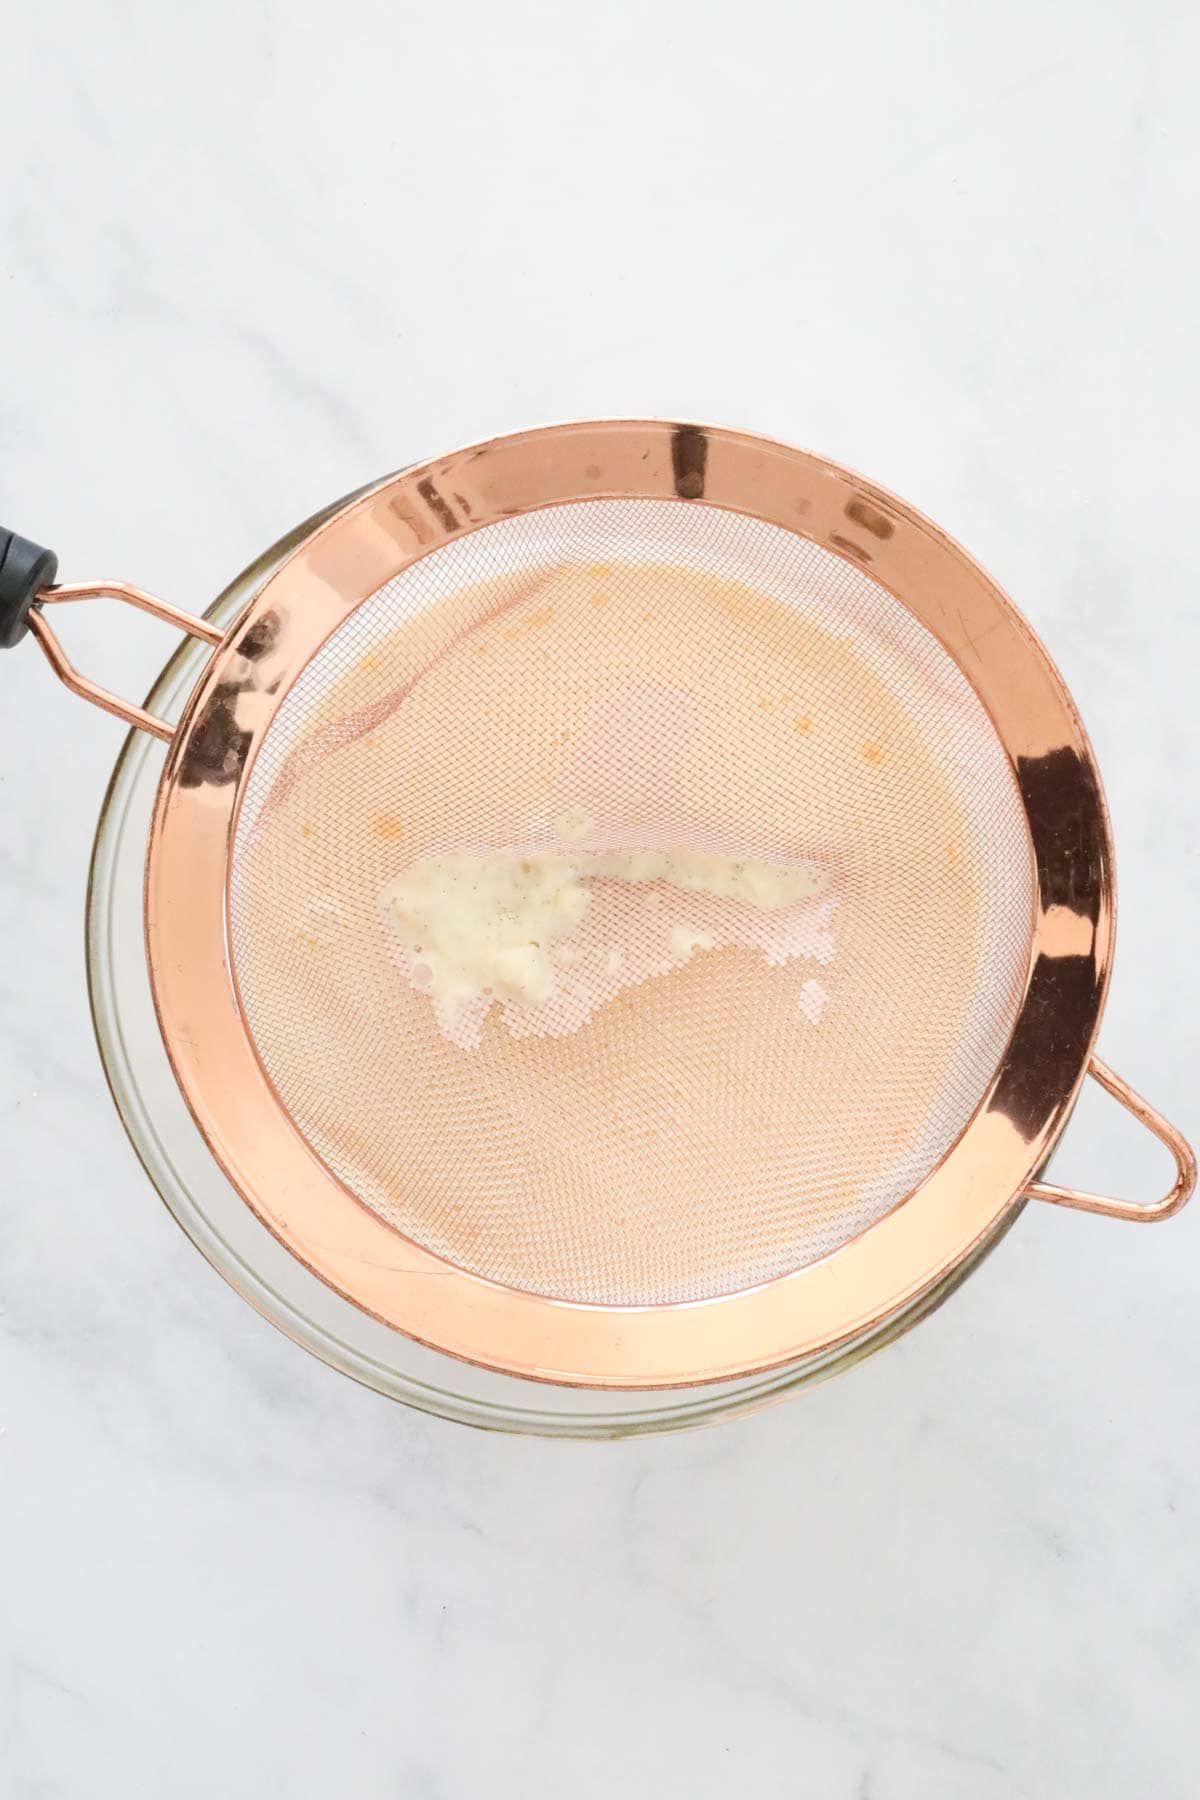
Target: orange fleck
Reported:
[(952, 853), (386, 825), (369, 662), (481, 649), (306, 830), (600, 599), (599, 570), (804, 724), (564, 737), (648, 618), (528, 626), (872, 753), (765, 705)]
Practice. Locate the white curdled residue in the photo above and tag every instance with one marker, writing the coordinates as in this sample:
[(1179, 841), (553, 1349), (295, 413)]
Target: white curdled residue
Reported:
[(510, 926)]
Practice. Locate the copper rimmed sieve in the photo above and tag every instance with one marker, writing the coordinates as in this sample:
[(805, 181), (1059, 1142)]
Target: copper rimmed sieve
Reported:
[(653, 668)]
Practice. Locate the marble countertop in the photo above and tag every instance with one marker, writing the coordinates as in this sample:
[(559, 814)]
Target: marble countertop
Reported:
[(251, 257)]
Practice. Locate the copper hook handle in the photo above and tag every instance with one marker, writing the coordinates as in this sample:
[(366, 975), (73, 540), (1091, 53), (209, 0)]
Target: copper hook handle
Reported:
[(69, 675), (1164, 1131)]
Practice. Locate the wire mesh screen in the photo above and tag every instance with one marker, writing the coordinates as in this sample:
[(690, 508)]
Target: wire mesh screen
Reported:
[(631, 902)]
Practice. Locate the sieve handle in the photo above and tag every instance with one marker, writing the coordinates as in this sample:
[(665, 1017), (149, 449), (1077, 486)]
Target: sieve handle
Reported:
[(1164, 1131), (27, 573)]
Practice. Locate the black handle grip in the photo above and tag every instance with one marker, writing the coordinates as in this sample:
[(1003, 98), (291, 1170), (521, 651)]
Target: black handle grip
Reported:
[(25, 569)]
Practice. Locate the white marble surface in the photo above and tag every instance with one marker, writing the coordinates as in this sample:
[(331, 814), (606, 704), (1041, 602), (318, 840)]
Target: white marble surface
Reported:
[(253, 256)]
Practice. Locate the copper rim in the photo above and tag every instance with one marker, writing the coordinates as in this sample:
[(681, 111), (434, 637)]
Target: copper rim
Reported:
[(367, 543)]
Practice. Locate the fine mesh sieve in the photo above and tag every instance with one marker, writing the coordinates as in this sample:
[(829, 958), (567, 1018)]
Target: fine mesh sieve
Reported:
[(659, 673), (627, 904)]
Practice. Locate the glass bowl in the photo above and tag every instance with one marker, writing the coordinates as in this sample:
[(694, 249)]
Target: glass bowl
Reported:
[(227, 1232)]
